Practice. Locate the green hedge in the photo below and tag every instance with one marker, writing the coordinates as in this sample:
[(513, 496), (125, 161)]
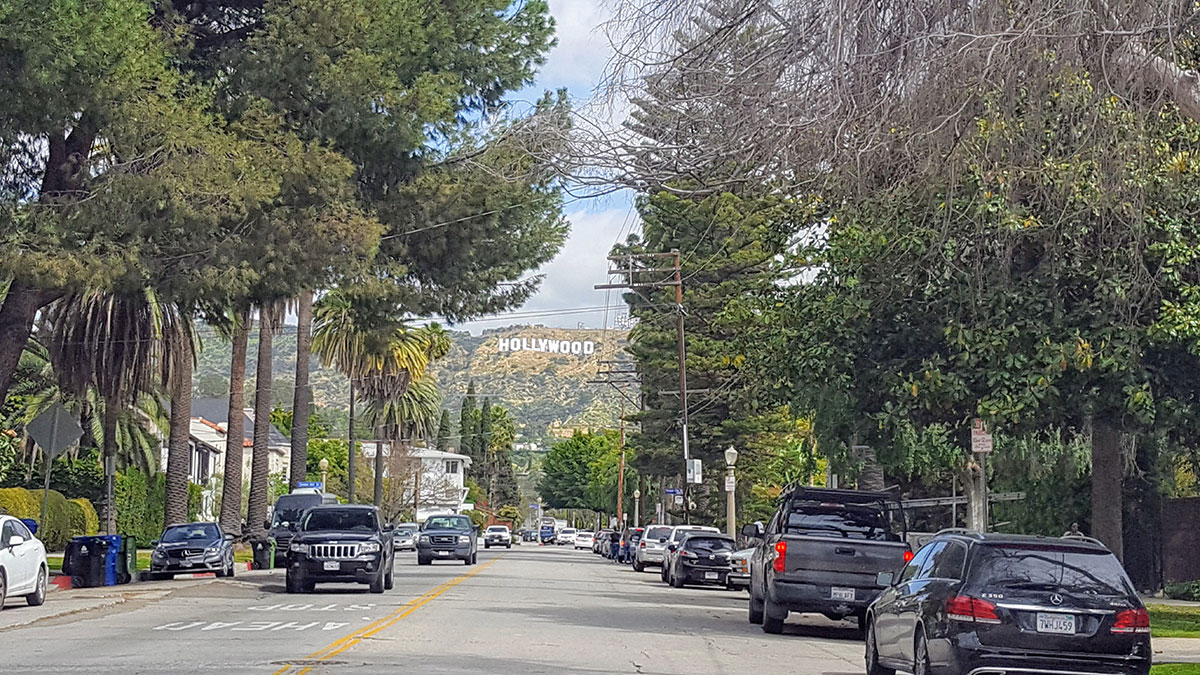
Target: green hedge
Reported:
[(141, 504), (64, 519)]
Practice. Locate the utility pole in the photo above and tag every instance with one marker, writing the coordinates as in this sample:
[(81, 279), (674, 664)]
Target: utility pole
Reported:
[(350, 471), (621, 470), (634, 280)]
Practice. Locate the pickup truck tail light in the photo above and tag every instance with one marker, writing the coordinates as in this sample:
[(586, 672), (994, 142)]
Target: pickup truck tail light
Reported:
[(1132, 621), (780, 556), (975, 610)]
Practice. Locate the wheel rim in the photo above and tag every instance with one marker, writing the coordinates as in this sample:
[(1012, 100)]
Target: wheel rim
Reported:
[(921, 667), (41, 589)]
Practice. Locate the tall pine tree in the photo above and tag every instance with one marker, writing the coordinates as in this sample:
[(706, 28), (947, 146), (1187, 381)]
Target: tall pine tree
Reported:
[(442, 440)]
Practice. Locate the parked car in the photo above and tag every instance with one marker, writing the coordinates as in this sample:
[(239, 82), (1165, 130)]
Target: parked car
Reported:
[(286, 513), (566, 536), (650, 549), (584, 540), (629, 541), (984, 603), (678, 532), (192, 547), (23, 567), (600, 542), (449, 537), (701, 558), (405, 536), (823, 552), (346, 544), (497, 535), (739, 571)]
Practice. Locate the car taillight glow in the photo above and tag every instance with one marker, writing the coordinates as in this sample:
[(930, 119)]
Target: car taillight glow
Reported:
[(687, 554), (908, 556), (642, 545), (966, 608), (780, 556), (1132, 621)]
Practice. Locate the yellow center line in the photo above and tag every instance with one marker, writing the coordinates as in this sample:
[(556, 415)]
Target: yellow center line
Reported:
[(342, 644)]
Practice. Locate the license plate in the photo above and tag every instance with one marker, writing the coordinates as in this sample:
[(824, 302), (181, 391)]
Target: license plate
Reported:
[(836, 593), (332, 566), (1061, 624), (711, 575), (443, 552)]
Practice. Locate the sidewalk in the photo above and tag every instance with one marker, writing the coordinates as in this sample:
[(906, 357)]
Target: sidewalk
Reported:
[(1176, 650)]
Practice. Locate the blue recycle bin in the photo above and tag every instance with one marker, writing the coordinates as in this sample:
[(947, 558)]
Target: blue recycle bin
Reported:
[(99, 561)]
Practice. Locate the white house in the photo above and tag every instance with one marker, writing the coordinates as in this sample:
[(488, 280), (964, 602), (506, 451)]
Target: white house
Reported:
[(441, 476)]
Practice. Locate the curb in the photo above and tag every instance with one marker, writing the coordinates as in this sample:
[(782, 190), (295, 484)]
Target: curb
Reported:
[(62, 582)]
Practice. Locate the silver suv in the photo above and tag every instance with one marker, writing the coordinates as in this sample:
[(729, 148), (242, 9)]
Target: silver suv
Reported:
[(650, 550)]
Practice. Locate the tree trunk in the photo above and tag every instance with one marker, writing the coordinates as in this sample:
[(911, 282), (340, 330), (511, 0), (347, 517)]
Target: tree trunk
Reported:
[(260, 464), (301, 402), (871, 478), (112, 411), (380, 433), (231, 488), (20, 308), (1107, 477), (179, 452)]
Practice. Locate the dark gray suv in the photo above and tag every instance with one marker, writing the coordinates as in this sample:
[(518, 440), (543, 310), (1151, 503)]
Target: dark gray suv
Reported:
[(975, 604)]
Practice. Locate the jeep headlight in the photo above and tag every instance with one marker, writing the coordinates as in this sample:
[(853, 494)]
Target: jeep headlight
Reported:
[(464, 539), (299, 548), (369, 547)]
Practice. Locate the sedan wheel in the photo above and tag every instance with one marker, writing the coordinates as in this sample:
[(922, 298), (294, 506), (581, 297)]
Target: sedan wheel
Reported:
[(3, 589), (873, 667), (921, 657), (38, 596)]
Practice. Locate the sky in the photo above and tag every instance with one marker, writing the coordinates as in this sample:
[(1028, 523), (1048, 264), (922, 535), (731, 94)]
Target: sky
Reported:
[(567, 298)]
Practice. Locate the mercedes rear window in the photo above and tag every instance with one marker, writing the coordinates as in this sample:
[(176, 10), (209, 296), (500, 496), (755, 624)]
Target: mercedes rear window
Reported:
[(1050, 567)]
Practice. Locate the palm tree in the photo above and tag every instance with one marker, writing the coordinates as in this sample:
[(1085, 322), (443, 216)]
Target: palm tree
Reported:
[(260, 464), (109, 344), (302, 398), (381, 357), (179, 359), (231, 486)]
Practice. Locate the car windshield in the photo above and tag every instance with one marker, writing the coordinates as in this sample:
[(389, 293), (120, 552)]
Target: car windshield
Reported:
[(656, 533), (448, 523), (1051, 567), (357, 520), (568, 531), (406, 530), (186, 533), (837, 520), (709, 545), (500, 529), (289, 510)]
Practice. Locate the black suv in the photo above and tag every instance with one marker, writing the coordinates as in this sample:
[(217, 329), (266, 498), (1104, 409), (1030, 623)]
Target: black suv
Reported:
[(340, 544), (976, 604)]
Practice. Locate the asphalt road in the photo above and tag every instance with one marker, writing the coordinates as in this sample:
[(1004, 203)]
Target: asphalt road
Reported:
[(528, 610)]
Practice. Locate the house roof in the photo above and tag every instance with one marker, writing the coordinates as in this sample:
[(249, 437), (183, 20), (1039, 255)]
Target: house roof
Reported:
[(427, 453), (216, 411)]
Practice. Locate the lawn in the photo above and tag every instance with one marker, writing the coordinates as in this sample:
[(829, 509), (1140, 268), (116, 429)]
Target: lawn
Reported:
[(1170, 621), (143, 559), (1176, 669)]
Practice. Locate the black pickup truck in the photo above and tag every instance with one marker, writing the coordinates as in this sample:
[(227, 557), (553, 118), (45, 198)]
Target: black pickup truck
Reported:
[(823, 552)]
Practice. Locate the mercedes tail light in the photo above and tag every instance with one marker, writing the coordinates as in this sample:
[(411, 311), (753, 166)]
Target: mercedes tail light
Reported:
[(780, 556), (1132, 621), (966, 608)]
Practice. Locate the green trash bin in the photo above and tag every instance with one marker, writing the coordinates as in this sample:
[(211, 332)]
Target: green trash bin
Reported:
[(127, 560), (264, 553)]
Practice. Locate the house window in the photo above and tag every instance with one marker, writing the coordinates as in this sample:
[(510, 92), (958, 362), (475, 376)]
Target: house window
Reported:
[(452, 467)]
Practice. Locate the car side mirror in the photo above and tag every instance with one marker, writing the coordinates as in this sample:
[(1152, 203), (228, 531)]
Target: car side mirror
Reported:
[(291, 526), (155, 543), (671, 548), (228, 536), (266, 524), (15, 540), (885, 579), (753, 530), (389, 527)]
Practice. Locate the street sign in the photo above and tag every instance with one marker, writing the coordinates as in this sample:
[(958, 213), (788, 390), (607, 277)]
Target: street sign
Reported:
[(678, 500), (730, 483), (533, 506), (54, 430), (308, 484), (981, 440), (694, 474), (673, 491)]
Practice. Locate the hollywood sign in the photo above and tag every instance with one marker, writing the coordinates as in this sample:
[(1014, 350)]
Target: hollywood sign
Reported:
[(573, 347)]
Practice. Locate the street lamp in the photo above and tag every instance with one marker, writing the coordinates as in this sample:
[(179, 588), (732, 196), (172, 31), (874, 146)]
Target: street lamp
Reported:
[(637, 502), (731, 456), (323, 465)]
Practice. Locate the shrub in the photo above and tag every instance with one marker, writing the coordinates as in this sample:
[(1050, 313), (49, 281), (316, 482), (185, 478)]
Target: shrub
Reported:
[(19, 503), (141, 505), (1187, 590), (84, 520)]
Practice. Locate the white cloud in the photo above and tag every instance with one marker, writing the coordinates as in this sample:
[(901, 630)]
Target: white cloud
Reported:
[(583, 50), (569, 278)]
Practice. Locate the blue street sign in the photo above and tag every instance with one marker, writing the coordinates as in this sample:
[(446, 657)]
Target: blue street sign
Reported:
[(673, 491), (533, 506), (308, 484)]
